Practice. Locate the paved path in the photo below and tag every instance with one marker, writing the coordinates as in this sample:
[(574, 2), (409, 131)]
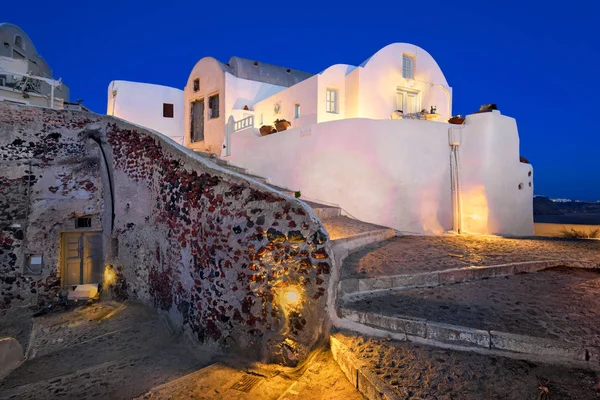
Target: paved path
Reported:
[(558, 303), (342, 227), (415, 254), (424, 372), (123, 351), (106, 350)]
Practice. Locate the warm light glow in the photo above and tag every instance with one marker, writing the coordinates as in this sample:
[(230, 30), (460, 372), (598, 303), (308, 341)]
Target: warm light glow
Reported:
[(109, 275), (290, 296), (475, 210)]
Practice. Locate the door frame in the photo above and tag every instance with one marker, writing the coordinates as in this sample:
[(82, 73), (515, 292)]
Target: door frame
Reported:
[(203, 116), (63, 259), (405, 91)]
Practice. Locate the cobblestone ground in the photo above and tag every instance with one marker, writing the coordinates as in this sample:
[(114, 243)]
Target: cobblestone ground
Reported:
[(414, 254), (558, 303), (342, 227), (106, 350), (424, 372), (110, 350)]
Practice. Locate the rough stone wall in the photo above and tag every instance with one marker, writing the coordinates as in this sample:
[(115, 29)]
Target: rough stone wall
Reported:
[(215, 250), (48, 177)]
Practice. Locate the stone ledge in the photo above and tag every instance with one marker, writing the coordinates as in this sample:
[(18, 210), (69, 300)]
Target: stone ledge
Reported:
[(436, 333), (359, 373), (536, 345), (453, 275)]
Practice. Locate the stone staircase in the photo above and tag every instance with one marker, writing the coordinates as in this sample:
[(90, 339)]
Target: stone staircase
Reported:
[(347, 234)]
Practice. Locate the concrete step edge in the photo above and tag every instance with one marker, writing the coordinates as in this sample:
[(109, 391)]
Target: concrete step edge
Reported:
[(359, 374), (453, 275), (432, 332)]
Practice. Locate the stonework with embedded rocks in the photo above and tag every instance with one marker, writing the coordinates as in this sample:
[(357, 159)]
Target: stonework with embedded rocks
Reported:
[(215, 251), (48, 177)]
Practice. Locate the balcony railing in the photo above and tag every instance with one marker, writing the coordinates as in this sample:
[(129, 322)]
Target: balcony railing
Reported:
[(244, 123)]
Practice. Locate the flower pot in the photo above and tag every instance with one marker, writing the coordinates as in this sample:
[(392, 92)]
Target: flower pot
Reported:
[(456, 120), (282, 125), (266, 130)]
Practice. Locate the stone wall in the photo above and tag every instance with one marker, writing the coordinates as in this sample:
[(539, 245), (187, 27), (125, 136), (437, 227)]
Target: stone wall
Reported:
[(224, 256), (218, 252), (48, 177)]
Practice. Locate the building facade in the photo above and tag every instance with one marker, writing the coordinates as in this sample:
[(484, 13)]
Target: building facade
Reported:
[(156, 107), (25, 77), (375, 139)]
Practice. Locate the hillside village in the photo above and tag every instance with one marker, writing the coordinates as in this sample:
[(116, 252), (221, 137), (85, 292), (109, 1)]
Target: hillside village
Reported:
[(269, 233)]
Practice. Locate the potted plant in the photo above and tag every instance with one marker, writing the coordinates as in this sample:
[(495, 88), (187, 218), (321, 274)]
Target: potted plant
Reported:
[(266, 130), (282, 125)]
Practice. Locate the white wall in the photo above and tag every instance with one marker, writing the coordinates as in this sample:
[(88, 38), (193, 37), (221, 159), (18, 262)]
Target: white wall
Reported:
[(142, 104), (397, 172), (212, 81), (381, 75), (367, 91), (303, 93), (490, 177)]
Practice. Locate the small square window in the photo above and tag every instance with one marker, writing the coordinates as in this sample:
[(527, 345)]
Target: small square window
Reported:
[(213, 106), (297, 111), (196, 84), (83, 222), (408, 66), (167, 110), (33, 264), (331, 101)]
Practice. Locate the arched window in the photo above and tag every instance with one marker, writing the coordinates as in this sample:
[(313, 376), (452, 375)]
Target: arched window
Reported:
[(19, 42)]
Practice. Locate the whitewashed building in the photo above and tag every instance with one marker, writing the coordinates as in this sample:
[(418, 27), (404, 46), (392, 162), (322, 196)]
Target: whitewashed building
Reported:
[(373, 139), (25, 77), (156, 107)]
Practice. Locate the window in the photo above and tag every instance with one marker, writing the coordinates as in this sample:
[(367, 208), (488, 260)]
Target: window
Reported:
[(196, 84), (213, 106), (297, 110), (262, 118), (332, 101), (167, 110), (408, 67), (19, 42), (83, 222), (33, 264), (407, 101), (2, 80)]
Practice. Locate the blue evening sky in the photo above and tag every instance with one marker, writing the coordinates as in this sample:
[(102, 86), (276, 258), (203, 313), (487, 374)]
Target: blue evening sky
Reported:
[(537, 59)]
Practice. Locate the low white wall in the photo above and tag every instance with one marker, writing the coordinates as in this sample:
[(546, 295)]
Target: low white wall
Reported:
[(397, 172), (142, 104), (394, 173)]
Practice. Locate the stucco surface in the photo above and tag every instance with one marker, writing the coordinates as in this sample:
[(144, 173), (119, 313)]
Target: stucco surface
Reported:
[(397, 173), (49, 175), (416, 254), (210, 248)]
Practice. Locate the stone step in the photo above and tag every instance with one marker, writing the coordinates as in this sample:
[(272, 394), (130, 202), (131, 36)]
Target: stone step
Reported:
[(347, 234), (324, 211), (397, 369), (542, 313)]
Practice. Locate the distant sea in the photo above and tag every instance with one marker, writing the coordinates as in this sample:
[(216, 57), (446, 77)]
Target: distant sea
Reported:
[(576, 219)]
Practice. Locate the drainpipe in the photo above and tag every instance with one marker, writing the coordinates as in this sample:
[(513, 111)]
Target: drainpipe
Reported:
[(454, 142)]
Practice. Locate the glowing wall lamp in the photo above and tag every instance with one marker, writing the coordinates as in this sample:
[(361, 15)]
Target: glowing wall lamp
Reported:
[(289, 297)]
